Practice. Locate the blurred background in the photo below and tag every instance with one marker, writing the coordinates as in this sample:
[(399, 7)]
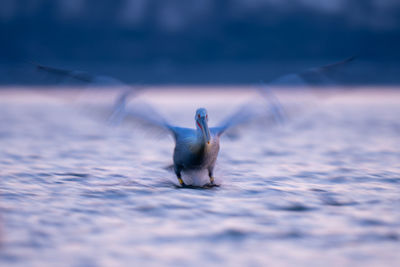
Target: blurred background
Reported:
[(312, 178), (200, 41)]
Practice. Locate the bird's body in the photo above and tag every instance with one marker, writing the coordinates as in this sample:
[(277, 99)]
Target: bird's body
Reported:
[(192, 152), (196, 149)]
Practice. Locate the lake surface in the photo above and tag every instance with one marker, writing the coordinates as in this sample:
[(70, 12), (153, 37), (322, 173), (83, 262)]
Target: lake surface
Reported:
[(321, 190)]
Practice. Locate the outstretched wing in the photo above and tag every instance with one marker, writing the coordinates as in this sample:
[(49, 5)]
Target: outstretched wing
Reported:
[(274, 105), (244, 114), (140, 113), (319, 76), (67, 77)]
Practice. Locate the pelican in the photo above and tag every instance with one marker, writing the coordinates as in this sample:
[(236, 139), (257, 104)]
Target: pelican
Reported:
[(195, 148), (198, 148)]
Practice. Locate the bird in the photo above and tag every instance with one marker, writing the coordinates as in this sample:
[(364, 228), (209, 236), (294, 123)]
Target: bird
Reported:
[(196, 148)]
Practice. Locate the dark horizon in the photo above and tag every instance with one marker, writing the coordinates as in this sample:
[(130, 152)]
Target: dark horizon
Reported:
[(179, 42)]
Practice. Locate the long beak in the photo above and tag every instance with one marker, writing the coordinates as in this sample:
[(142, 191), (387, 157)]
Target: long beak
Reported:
[(205, 130)]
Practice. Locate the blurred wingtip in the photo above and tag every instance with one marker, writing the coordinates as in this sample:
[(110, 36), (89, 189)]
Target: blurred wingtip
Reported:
[(353, 57), (339, 63), (349, 59), (275, 107), (35, 64), (119, 109)]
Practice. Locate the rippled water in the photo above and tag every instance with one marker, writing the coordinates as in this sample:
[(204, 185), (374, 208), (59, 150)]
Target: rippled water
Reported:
[(324, 189)]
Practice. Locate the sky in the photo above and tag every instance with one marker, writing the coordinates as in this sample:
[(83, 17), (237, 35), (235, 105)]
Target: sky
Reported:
[(198, 32), (175, 15)]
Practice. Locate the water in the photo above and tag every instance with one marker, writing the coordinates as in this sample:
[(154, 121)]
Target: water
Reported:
[(323, 189)]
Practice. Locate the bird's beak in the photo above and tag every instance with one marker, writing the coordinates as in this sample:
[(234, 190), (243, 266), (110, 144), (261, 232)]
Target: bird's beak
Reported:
[(205, 130)]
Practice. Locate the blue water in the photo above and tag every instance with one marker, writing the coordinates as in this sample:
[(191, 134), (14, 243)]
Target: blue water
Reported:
[(323, 189)]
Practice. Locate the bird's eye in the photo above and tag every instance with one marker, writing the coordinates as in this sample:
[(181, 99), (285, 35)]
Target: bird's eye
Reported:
[(207, 117), (198, 116)]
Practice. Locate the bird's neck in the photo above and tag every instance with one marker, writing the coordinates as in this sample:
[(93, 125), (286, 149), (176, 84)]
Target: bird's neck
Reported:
[(201, 139)]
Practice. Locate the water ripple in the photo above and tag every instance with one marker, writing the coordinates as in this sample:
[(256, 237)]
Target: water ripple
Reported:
[(323, 189)]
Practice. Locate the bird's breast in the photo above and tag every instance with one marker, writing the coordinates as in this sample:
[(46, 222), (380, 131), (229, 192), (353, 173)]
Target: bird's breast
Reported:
[(197, 155)]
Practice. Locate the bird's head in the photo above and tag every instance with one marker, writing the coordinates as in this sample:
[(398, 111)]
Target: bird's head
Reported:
[(201, 119)]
